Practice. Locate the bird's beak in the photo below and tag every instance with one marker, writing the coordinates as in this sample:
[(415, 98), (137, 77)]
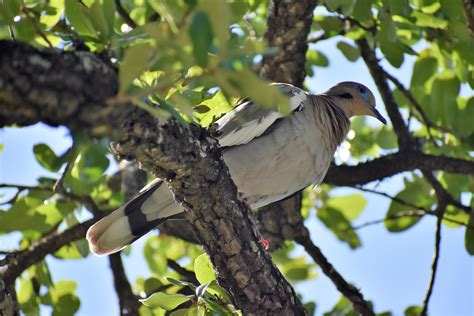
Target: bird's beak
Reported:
[(379, 116)]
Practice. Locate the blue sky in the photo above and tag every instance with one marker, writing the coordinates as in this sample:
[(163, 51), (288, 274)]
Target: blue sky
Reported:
[(392, 270)]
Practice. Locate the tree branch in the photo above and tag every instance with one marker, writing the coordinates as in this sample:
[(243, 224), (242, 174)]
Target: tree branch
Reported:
[(38, 250), (128, 302), (349, 291), (392, 164), (468, 9), (124, 14), (405, 140), (434, 266), (191, 162), (288, 26)]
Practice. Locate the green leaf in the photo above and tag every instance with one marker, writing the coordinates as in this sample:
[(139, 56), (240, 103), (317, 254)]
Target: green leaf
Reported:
[(417, 192), (23, 215), (53, 14), (134, 63), (429, 20), (61, 297), (469, 238), (201, 34), (80, 19), (399, 7), (350, 52), (310, 308), (90, 163), (204, 269), (331, 25), (344, 6), (247, 83), (386, 139), (165, 300), (9, 9), (388, 31), (192, 311), (46, 157), (342, 308), (339, 225), (164, 10), (316, 58), (2, 148), (444, 91), (220, 15), (351, 206), (362, 10), (424, 69), (393, 51), (413, 311), (102, 17)]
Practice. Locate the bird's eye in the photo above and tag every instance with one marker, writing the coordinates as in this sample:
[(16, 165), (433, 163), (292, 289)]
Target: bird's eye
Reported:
[(362, 90)]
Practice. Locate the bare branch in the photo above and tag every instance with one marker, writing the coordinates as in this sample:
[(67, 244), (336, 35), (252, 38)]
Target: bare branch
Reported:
[(434, 266), (189, 275), (124, 14), (128, 302), (413, 102), (468, 9), (405, 139), (392, 164), (348, 290)]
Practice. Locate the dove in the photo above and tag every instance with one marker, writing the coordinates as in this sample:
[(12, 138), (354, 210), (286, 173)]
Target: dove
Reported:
[(270, 156)]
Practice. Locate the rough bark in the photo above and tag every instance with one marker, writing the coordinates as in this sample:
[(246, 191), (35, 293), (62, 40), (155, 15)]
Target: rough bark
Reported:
[(288, 26), (191, 162)]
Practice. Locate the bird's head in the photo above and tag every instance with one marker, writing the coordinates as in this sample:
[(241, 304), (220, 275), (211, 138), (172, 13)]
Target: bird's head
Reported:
[(355, 99)]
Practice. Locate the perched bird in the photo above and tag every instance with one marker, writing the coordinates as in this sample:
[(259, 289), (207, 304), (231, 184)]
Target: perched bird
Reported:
[(269, 156)]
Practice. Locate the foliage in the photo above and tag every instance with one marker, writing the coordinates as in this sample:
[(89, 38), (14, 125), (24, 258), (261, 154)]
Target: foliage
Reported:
[(194, 59)]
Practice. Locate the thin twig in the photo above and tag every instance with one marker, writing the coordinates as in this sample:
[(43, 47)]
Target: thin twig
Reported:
[(317, 38), (26, 11), (434, 267), (124, 14), (393, 198), (414, 103), (467, 6), (348, 290), (12, 34), (189, 275), (416, 213)]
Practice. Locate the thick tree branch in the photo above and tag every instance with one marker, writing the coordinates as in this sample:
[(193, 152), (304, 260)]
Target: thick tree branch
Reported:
[(288, 25), (57, 88), (392, 164), (191, 162)]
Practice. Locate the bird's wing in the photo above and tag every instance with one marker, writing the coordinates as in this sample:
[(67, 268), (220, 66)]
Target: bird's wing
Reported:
[(248, 120)]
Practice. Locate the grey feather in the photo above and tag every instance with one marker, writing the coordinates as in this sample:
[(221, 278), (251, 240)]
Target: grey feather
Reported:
[(248, 120)]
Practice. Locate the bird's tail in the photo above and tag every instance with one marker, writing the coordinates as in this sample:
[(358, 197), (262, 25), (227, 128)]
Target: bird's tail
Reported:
[(151, 207)]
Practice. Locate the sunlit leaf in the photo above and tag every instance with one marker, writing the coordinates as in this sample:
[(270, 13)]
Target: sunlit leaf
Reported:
[(133, 64), (165, 300), (204, 270)]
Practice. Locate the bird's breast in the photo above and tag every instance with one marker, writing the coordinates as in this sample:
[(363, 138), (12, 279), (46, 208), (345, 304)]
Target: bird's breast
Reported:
[(294, 154)]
